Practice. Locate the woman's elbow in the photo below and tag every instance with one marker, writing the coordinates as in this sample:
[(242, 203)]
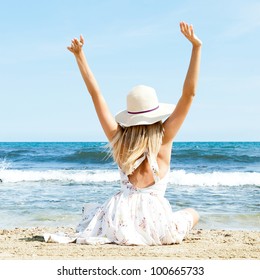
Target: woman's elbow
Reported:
[(190, 93)]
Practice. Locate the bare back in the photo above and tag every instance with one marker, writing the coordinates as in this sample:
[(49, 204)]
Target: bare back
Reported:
[(143, 177)]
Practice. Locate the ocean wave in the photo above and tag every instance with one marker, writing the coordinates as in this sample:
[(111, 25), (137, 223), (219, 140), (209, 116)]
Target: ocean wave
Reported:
[(77, 176), (183, 178), (86, 156), (213, 157), (74, 157), (188, 153), (4, 164), (177, 177)]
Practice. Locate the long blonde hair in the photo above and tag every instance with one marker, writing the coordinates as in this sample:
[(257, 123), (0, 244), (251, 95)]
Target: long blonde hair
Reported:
[(130, 143)]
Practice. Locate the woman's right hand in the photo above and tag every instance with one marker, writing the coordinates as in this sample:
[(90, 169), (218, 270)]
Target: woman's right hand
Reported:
[(76, 45), (188, 32)]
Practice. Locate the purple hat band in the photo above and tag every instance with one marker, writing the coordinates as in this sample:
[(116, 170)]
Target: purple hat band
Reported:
[(141, 112)]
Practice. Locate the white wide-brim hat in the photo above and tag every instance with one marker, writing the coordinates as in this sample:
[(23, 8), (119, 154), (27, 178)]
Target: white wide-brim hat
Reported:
[(143, 108)]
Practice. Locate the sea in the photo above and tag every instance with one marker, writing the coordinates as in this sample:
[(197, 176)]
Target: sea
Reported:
[(46, 184)]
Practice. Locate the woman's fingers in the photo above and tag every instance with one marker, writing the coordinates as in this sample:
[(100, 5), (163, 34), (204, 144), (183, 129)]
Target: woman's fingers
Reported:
[(73, 44), (185, 29), (76, 44), (76, 41), (188, 32), (191, 30), (81, 39)]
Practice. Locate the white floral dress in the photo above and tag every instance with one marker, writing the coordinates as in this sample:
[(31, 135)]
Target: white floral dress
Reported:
[(133, 216)]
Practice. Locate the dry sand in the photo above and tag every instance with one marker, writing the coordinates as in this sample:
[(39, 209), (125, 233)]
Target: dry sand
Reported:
[(200, 244)]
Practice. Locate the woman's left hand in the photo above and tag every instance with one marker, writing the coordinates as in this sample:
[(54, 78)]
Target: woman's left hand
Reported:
[(76, 45), (188, 32)]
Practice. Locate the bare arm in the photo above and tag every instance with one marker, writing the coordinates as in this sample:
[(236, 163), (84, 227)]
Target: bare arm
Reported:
[(106, 119), (174, 122)]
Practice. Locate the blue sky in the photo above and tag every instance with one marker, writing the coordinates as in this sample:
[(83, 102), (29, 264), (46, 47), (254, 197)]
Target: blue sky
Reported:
[(43, 97)]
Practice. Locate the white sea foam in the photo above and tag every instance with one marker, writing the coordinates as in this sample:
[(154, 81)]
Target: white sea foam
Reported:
[(181, 177), (4, 164), (177, 177), (77, 176)]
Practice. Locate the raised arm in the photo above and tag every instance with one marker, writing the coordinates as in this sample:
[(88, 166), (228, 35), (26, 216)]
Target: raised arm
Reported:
[(106, 119), (174, 122)]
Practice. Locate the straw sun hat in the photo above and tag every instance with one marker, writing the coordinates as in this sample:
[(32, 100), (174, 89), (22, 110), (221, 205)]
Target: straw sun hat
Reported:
[(143, 108)]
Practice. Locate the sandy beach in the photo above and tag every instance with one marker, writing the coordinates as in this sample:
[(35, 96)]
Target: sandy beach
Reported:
[(29, 244)]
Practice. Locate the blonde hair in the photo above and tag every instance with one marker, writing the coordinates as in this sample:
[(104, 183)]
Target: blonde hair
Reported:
[(130, 143)]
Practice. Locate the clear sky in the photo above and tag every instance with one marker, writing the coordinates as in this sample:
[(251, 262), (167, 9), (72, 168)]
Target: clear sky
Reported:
[(43, 97)]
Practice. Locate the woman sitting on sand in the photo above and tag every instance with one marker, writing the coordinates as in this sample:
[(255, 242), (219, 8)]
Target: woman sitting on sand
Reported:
[(141, 145)]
